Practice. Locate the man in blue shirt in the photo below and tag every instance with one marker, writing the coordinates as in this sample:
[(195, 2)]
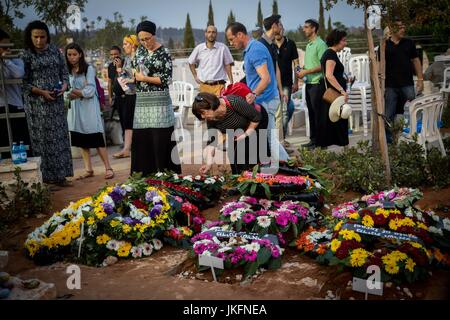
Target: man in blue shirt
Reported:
[(12, 69), (261, 79)]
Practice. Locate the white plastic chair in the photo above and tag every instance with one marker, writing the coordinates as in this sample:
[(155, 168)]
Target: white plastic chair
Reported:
[(238, 71), (430, 107), (300, 106), (361, 102), (182, 95), (446, 84), (360, 68), (344, 56)]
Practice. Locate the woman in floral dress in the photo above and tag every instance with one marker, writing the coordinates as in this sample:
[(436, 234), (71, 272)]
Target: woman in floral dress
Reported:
[(45, 80), (152, 148)]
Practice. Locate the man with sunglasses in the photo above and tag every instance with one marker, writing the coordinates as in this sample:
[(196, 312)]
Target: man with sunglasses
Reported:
[(214, 62), (402, 60)]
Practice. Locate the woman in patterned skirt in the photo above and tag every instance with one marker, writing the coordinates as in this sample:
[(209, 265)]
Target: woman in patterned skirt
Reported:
[(45, 80), (152, 148)]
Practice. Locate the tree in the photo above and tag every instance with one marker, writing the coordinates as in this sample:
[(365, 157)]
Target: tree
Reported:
[(133, 23), (99, 20), (171, 44), (189, 41), (340, 26), (143, 18), (10, 9), (54, 13), (321, 20), (330, 28), (275, 7), (231, 18), (210, 15), (259, 17)]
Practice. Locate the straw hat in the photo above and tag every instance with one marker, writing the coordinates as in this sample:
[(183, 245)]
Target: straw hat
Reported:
[(339, 110)]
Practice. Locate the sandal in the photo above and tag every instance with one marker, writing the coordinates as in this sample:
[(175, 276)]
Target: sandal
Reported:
[(88, 174), (121, 155), (109, 175)]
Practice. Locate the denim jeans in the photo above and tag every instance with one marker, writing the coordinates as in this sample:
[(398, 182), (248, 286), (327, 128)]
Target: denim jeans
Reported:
[(395, 99), (271, 108), (287, 114)]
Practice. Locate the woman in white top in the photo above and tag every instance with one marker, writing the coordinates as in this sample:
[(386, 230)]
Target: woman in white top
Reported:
[(84, 116)]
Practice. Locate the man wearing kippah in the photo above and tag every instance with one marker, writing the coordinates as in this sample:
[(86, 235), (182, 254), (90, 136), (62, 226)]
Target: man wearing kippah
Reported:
[(214, 62)]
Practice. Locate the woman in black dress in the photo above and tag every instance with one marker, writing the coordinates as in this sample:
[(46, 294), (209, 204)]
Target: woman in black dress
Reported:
[(333, 133), (234, 113)]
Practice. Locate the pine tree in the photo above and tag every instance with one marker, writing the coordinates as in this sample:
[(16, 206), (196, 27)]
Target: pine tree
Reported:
[(259, 16), (330, 28), (321, 20), (275, 7), (210, 15), (231, 18), (189, 41)]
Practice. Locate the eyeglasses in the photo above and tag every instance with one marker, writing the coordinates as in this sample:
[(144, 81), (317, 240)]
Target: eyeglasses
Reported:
[(145, 39)]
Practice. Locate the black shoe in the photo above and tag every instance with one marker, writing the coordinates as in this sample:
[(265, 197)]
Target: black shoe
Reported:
[(309, 145)]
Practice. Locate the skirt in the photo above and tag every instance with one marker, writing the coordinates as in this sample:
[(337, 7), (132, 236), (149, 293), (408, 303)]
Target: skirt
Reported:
[(153, 150), (87, 140)]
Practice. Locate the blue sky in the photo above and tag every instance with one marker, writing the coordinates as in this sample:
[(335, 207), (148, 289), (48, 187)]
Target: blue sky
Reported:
[(172, 13)]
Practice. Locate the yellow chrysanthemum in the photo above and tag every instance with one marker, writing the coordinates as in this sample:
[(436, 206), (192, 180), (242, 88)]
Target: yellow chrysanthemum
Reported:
[(64, 239), (407, 222), (358, 257), (335, 244), (100, 212), (103, 239), (338, 226), (350, 235), (415, 244), (381, 211), (114, 223), (354, 216), (394, 224), (126, 228), (32, 246), (91, 221), (187, 232), (399, 255), (368, 221), (422, 225), (392, 269), (124, 250), (410, 264)]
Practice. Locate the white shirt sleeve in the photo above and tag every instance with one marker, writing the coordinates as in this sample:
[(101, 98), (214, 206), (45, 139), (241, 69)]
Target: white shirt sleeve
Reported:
[(193, 58)]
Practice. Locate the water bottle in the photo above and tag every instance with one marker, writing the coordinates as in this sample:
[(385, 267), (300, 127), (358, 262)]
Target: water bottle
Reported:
[(15, 154), (406, 117), (23, 152)]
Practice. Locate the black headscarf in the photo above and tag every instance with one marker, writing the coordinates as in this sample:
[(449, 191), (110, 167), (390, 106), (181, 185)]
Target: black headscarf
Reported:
[(146, 26)]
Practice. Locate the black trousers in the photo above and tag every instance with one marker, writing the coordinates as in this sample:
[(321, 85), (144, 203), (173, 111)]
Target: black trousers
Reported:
[(314, 93)]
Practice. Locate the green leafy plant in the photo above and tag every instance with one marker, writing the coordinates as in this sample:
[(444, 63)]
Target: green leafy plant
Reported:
[(361, 169), (438, 168), (26, 199)]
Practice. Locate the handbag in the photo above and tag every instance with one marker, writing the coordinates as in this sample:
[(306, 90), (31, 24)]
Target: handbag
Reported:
[(330, 94)]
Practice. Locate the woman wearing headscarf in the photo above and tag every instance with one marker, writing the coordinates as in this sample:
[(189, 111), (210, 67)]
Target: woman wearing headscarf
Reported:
[(152, 148), (45, 80), (126, 110)]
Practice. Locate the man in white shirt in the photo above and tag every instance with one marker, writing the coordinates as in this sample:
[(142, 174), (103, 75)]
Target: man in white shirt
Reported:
[(214, 62)]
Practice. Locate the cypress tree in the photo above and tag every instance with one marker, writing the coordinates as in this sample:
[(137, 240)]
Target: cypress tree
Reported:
[(275, 7), (259, 16), (189, 41), (210, 15)]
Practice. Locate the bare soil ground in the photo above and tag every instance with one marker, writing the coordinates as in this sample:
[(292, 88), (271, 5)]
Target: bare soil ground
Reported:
[(171, 274)]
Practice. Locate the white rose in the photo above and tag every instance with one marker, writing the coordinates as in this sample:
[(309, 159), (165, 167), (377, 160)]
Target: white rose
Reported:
[(198, 178)]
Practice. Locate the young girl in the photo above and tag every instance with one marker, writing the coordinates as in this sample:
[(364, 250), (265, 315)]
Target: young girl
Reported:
[(84, 117)]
